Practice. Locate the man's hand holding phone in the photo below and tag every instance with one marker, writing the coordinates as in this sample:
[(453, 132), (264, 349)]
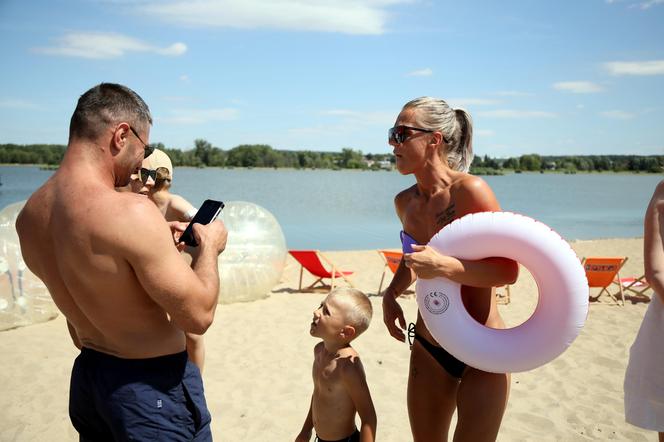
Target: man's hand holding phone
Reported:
[(177, 228), (203, 229), (211, 235)]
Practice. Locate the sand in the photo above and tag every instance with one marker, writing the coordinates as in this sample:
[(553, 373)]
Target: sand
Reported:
[(259, 354)]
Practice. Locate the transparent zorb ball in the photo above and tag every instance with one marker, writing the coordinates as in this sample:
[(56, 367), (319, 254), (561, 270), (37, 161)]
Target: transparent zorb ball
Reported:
[(24, 299), (255, 254)]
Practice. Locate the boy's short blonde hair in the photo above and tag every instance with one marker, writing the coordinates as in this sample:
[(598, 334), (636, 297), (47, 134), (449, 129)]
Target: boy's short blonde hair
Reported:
[(357, 307)]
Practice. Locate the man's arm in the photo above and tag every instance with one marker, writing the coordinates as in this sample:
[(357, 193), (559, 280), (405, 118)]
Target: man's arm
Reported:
[(356, 385), (653, 241), (188, 294)]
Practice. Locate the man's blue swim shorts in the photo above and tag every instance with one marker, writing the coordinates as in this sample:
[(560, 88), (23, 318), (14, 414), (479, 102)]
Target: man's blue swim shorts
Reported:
[(115, 399)]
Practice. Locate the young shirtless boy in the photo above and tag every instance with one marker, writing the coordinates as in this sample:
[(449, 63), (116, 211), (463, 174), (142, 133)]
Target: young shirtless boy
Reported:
[(340, 386)]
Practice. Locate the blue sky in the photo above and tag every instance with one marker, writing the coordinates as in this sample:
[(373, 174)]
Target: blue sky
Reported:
[(548, 77)]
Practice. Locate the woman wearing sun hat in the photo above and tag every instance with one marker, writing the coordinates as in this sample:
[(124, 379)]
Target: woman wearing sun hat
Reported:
[(173, 207), (157, 175)]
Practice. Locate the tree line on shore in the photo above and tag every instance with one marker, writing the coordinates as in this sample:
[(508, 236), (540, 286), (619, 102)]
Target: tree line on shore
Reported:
[(261, 155)]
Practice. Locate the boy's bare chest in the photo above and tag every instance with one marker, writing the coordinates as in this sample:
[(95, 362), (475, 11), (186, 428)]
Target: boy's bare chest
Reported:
[(327, 376)]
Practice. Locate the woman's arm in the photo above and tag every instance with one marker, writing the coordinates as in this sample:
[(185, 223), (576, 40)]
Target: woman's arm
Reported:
[(392, 311), (471, 195), (653, 241), (488, 272), (182, 208)]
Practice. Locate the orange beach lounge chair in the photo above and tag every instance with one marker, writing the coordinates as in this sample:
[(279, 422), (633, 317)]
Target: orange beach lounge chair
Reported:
[(311, 260), (603, 272), (391, 260)]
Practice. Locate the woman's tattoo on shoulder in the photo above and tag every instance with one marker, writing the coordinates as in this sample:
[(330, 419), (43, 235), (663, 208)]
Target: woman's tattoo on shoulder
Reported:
[(446, 216)]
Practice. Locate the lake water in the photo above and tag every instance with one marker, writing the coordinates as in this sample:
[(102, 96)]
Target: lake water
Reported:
[(351, 210)]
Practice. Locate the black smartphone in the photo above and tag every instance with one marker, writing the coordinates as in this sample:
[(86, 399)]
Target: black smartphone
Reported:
[(205, 215)]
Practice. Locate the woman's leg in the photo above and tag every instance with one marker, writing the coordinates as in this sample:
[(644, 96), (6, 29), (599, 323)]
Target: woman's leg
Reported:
[(481, 403), (431, 397)]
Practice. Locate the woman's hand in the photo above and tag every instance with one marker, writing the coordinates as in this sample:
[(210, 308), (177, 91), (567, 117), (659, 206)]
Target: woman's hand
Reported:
[(392, 312), (426, 262)]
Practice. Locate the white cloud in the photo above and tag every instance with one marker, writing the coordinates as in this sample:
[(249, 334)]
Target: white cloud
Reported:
[(426, 72), (199, 116), (650, 3), (176, 49), (465, 102), (101, 45), (577, 87), (516, 114), (11, 103), (653, 67), (344, 16), (185, 78), (617, 115)]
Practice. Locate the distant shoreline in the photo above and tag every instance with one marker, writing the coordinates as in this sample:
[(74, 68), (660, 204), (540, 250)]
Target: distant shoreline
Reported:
[(504, 171)]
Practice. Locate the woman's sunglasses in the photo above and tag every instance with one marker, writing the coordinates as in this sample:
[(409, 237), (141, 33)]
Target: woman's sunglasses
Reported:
[(146, 174), (398, 135)]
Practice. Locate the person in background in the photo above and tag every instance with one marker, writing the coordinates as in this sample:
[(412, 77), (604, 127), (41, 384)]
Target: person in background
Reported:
[(644, 377), (173, 207), (154, 181), (433, 142)]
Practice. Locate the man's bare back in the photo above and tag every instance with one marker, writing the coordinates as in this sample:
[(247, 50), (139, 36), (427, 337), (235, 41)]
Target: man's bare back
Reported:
[(80, 248), (108, 258)]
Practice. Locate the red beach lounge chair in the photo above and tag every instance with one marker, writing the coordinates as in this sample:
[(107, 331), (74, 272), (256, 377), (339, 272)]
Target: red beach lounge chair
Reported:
[(311, 260)]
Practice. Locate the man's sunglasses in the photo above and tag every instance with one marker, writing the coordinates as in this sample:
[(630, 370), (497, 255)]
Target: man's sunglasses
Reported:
[(146, 174), (398, 135), (148, 148)]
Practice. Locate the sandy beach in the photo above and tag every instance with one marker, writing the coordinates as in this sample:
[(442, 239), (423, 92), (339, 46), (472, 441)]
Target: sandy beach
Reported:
[(259, 355)]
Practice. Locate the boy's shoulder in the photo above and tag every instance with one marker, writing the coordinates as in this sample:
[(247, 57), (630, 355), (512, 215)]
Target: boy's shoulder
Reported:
[(350, 364)]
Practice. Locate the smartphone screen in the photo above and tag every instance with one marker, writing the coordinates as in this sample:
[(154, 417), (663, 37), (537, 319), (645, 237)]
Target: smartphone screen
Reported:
[(205, 215)]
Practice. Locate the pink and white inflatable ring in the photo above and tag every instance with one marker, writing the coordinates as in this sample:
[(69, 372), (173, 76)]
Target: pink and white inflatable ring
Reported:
[(561, 310)]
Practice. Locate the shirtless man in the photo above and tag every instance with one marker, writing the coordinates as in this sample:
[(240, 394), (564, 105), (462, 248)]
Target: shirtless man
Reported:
[(433, 142), (110, 263)]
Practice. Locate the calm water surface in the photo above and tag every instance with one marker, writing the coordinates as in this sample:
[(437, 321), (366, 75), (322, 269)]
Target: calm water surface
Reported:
[(346, 210)]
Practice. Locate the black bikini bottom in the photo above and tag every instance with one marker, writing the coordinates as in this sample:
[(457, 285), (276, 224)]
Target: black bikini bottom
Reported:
[(449, 363)]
